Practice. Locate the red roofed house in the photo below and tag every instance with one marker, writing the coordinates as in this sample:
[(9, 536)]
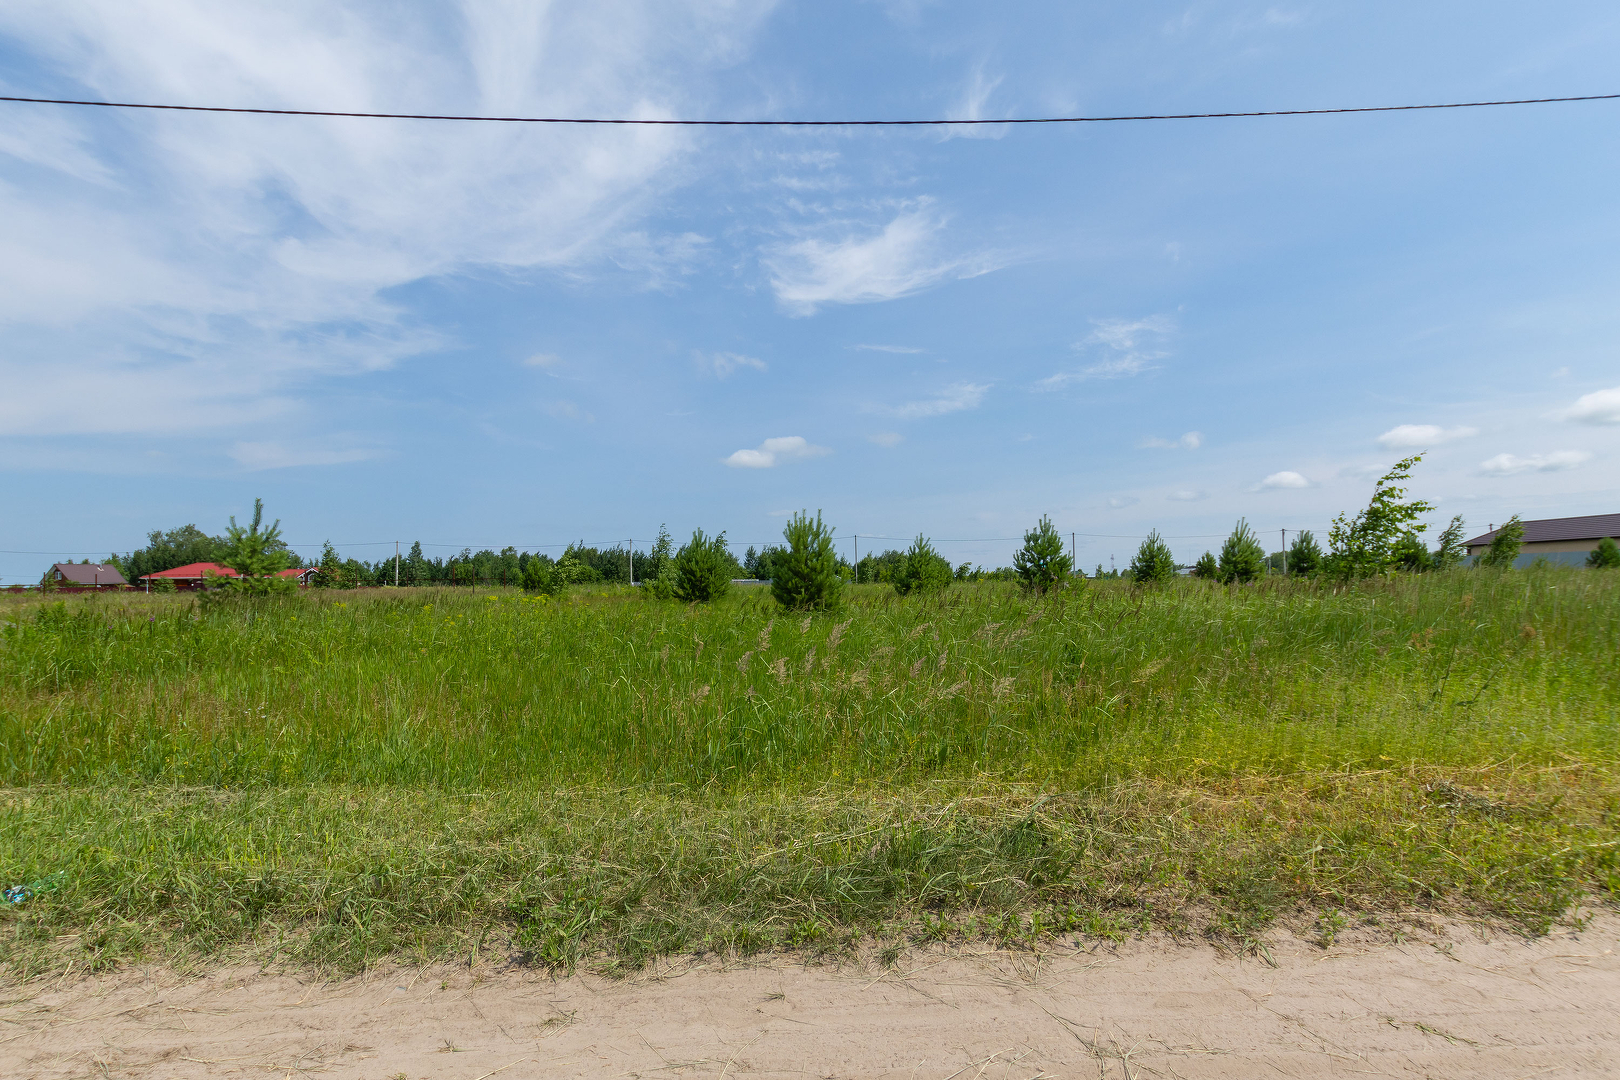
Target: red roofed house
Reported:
[(1565, 541), (191, 575)]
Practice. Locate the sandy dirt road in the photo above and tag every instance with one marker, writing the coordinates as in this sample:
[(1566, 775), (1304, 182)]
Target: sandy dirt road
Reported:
[(1459, 1003)]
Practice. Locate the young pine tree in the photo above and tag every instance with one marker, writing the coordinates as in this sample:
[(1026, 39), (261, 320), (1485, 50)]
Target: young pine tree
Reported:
[(1504, 547), (1242, 558), (923, 570), (805, 575), (1606, 556), (1153, 564), (255, 554), (1041, 563), (1304, 555), (702, 569)]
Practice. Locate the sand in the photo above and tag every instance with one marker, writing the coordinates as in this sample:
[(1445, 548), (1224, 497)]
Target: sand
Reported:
[(1458, 1001)]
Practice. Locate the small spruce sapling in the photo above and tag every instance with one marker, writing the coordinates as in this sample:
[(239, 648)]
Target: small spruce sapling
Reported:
[(541, 577), (702, 569), (1304, 555), (1153, 565), (1606, 556), (1504, 547), (1242, 558), (1041, 563), (923, 570), (1206, 567), (805, 576)]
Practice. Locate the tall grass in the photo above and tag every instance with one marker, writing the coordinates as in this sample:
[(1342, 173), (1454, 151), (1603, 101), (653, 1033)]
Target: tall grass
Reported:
[(335, 777), (462, 690)]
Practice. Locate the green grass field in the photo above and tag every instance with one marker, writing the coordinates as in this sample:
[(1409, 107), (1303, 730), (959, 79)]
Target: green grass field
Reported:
[(340, 776)]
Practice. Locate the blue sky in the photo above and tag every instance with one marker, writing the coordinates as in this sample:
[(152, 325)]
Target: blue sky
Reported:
[(477, 335)]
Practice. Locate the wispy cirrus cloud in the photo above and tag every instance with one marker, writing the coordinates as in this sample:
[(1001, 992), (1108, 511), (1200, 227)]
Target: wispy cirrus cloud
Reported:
[(888, 348), (776, 451), (956, 398), (903, 257), (1192, 440), (258, 456), (1512, 464), (1417, 436), (723, 364), (1126, 347)]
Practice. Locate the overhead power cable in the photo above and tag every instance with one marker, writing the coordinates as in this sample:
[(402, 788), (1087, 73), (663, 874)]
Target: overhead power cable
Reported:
[(648, 122)]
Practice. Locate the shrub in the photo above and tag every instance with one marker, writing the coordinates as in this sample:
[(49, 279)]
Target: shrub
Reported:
[(1504, 547), (542, 576), (1606, 556), (805, 574), (1242, 557), (1304, 555), (163, 585), (702, 569), (924, 570), (1409, 553), (1041, 563), (1205, 568), (1153, 564)]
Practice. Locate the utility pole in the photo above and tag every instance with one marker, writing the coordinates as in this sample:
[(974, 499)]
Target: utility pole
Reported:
[(630, 557), (1073, 555), (857, 559), (396, 564), (1285, 552)]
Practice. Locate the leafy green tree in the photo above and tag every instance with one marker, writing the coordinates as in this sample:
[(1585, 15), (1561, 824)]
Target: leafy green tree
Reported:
[(167, 550), (702, 569), (330, 574), (1304, 555), (1504, 547), (1606, 556), (1242, 558), (1153, 565), (256, 555), (924, 570), (805, 576), (1206, 567), (1411, 554), (1042, 563), (1362, 546), (1450, 549)]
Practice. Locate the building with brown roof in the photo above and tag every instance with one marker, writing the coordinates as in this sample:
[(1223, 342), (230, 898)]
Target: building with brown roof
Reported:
[(91, 575), (1558, 540)]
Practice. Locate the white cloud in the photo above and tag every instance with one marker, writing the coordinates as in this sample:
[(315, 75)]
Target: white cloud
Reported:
[(773, 452), (1285, 479), (902, 258), (1129, 349), (276, 455), (1598, 407), (1192, 440), (723, 364), (971, 106), (1186, 495), (1511, 464), (888, 348), (1119, 502), (266, 249), (955, 398), (886, 438), (544, 361), (1417, 436)]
